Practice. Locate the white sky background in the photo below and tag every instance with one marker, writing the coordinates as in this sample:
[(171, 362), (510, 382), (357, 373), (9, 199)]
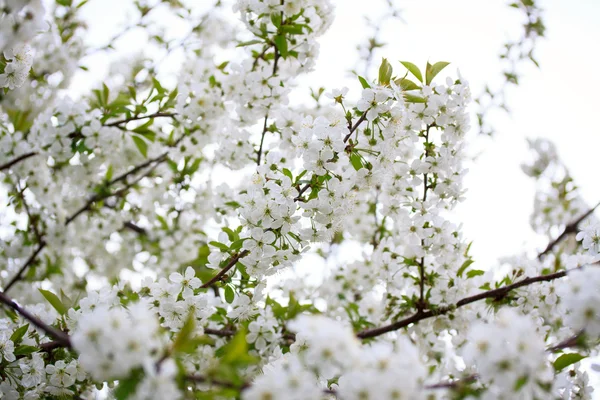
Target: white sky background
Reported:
[(560, 101)]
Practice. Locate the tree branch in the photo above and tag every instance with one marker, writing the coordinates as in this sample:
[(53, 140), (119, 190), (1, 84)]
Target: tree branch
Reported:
[(122, 177), (17, 160), (494, 293), (59, 336), (138, 117), (39, 238), (22, 270), (570, 228), (234, 259)]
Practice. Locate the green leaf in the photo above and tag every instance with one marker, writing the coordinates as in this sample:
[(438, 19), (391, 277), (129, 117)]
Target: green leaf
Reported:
[(105, 94), (288, 173), (413, 70), (221, 246), (364, 82), (406, 84), (66, 3), (128, 385), (54, 301), (294, 29), (385, 72), (414, 99), (229, 294), (237, 244), (282, 45), (236, 351), (156, 84), (141, 145), (185, 334), (24, 350), (249, 43), (230, 234), (463, 267), (475, 272), (356, 161), (521, 382), (433, 70), (144, 128), (276, 19), (567, 359), (19, 333)]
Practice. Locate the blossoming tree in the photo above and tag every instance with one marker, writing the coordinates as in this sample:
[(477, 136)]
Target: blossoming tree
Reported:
[(129, 178)]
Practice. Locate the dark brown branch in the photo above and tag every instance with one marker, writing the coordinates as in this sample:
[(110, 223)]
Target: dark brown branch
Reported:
[(49, 346), (489, 294), (569, 229), (138, 117), (32, 222), (137, 229), (22, 270), (453, 384), (573, 341), (122, 177), (219, 332), (59, 336), (17, 160), (234, 259), (362, 118), (39, 238)]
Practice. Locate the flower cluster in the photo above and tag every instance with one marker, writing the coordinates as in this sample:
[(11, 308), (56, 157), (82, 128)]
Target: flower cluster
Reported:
[(510, 356), (19, 23), (204, 234), (112, 342)]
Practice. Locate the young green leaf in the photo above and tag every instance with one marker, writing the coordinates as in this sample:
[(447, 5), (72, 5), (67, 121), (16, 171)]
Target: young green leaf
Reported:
[(185, 334), (282, 45), (54, 301), (385, 72), (229, 294), (364, 82), (567, 359), (141, 145), (19, 333), (413, 70), (433, 70)]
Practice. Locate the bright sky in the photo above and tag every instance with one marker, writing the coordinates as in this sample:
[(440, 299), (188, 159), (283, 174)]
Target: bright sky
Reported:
[(558, 101)]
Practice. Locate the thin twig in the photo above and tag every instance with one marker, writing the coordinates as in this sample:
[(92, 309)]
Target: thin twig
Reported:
[(265, 126)]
